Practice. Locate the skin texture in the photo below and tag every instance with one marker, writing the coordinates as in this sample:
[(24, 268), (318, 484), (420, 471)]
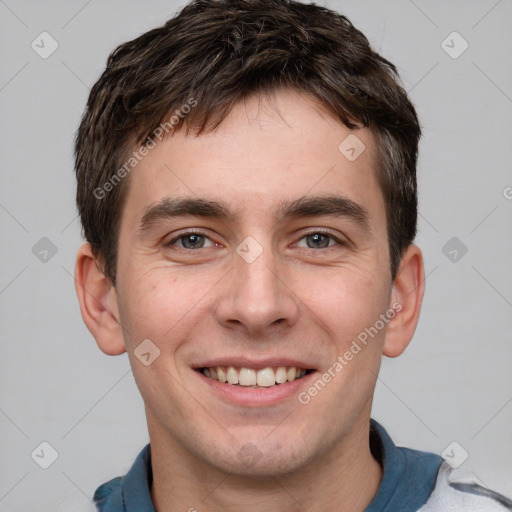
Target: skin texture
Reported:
[(304, 302)]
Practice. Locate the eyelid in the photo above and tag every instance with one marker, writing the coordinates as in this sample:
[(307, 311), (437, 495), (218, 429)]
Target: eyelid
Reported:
[(188, 231), (311, 231), (325, 231)]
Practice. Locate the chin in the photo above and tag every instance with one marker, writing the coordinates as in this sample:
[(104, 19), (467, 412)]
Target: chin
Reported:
[(263, 459)]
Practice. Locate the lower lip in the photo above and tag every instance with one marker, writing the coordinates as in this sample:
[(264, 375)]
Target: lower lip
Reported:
[(257, 397)]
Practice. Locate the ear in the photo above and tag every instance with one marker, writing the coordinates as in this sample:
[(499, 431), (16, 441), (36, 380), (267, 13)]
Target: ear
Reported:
[(98, 302), (406, 298)]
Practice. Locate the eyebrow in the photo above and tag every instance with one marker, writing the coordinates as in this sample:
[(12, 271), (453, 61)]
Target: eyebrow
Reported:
[(307, 206)]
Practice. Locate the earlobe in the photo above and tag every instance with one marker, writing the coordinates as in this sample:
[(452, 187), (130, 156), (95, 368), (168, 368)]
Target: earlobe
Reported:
[(406, 299), (98, 303)]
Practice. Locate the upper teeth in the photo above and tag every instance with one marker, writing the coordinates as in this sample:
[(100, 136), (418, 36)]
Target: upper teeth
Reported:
[(265, 377)]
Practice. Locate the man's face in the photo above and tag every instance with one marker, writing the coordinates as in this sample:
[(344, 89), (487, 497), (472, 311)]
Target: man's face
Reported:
[(255, 290)]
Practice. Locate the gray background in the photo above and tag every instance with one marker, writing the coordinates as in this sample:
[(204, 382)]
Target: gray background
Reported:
[(454, 383)]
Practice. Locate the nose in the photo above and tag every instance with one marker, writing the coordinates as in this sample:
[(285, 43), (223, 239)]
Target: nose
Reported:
[(257, 296)]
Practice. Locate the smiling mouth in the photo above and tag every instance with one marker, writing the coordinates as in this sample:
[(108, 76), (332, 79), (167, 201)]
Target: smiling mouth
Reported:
[(249, 377)]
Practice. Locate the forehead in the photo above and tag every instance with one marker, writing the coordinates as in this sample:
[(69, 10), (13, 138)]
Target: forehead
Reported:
[(265, 152)]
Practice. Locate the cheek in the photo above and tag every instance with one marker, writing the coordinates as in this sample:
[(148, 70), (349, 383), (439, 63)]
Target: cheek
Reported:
[(155, 308), (349, 302), (152, 304), (352, 312)]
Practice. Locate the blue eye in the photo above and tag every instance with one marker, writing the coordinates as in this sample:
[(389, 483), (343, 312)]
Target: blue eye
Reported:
[(319, 240), (191, 240)]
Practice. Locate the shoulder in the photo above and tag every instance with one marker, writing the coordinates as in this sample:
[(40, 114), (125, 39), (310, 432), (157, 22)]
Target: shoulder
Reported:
[(456, 490), (108, 496), (131, 492)]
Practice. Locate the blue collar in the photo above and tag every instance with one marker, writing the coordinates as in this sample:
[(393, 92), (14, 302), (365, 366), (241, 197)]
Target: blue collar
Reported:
[(409, 476), (408, 479)]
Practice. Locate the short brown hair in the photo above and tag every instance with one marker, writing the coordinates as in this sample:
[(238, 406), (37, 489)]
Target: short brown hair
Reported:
[(219, 52)]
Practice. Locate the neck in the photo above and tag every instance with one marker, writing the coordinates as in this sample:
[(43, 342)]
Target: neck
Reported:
[(345, 478)]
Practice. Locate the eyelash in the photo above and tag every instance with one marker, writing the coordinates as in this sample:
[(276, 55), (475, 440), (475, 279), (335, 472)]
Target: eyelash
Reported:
[(202, 233)]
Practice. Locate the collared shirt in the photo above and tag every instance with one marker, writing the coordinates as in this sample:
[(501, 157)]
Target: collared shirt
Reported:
[(412, 481)]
